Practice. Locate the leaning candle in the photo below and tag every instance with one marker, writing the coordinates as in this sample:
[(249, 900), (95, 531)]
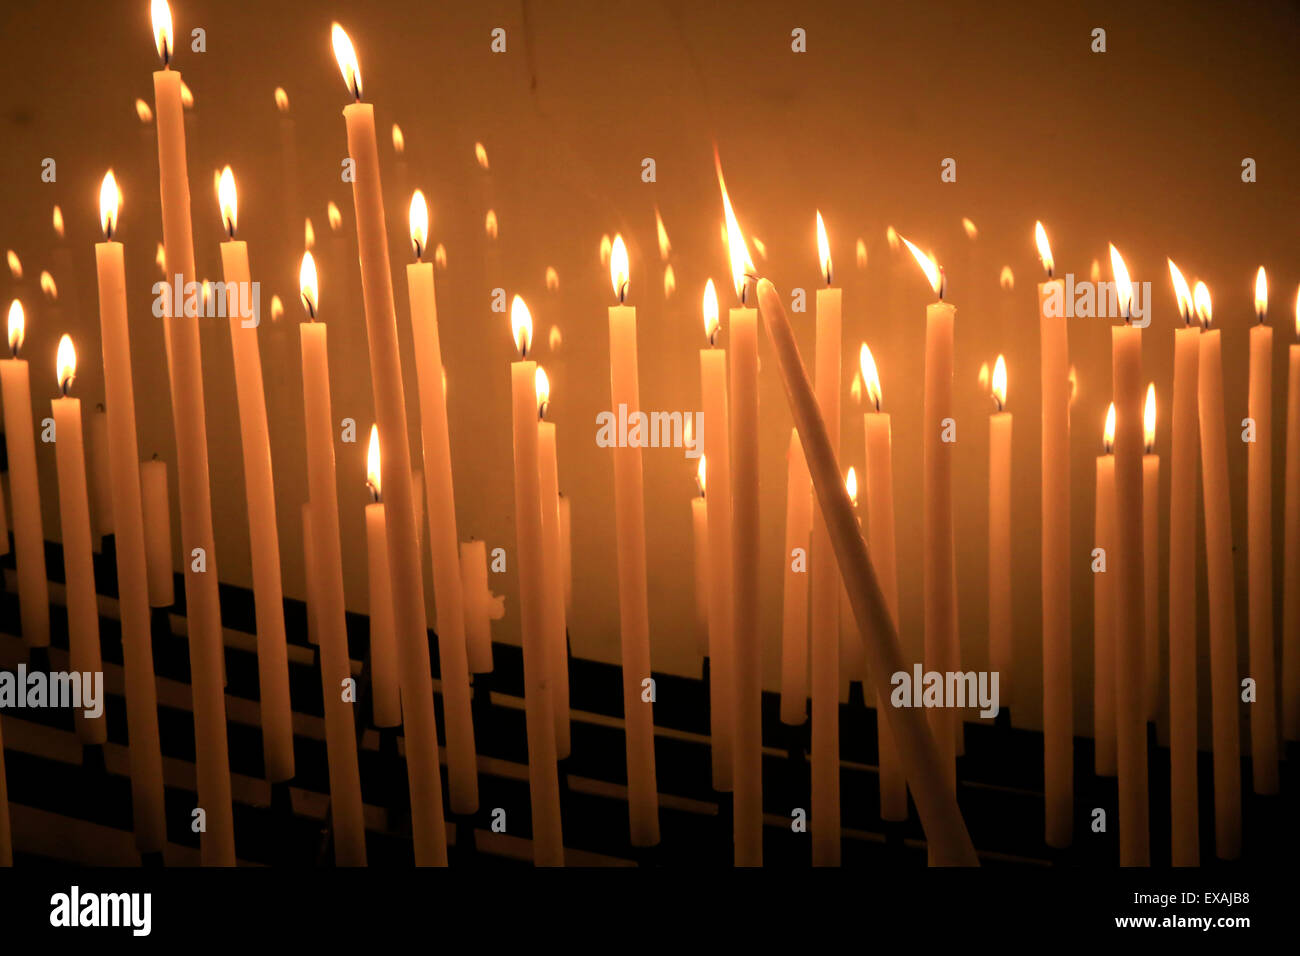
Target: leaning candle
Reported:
[(1150, 560), (156, 505), (700, 539), (202, 601), (419, 722), (1223, 606), (387, 707), (794, 602), (1058, 719), (132, 576), (1103, 608), (462, 766), (925, 770), (1184, 476), (20, 444), (543, 775), (1000, 655), (335, 665), (556, 648), (259, 486), (1259, 528), (1291, 532), (74, 513), (633, 600), (881, 543)]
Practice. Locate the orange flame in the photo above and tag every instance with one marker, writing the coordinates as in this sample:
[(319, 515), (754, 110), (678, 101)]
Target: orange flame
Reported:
[(1204, 308), (399, 140), (665, 246), (281, 99), (552, 279), (309, 285), (110, 202), (1108, 435), (347, 60), (17, 327), (670, 281), (1000, 382), (66, 363), (48, 286), (480, 154), (823, 248), (15, 264), (58, 222), (971, 231), (851, 485), (521, 323), (618, 267), (741, 263), (1261, 294), (143, 111), (1007, 279), (334, 216), (229, 201), (419, 220), (1185, 303), (1044, 249), (542, 385), (870, 375), (929, 266), (161, 14), (1123, 285), (373, 470), (1149, 418), (701, 474), (710, 312)]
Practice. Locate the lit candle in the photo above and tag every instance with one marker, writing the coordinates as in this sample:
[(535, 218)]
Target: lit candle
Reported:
[(20, 443), (289, 199), (259, 485), (1259, 528), (203, 606), (700, 538), (881, 544), (157, 516), (794, 603), (543, 775), (1291, 568), (1223, 606), (74, 515), (1184, 476), (387, 706), (1151, 558), (1000, 648), (419, 723), (717, 432), (1058, 714), (462, 766), (633, 601), (309, 573), (925, 770), (335, 666), (478, 626), (556, 648), (132, 576), (566, 546), (1103, 604)]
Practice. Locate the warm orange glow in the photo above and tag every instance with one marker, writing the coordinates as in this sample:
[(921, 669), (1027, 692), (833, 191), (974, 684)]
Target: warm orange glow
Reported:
[(399, 141), (110, 200), (759, 246), (15, 264), (66, 363), (1149, 419), (1073, 379), (17, 327), (161, 14), (480, 154), (1000, 382), (552, 279), (1204, 308), (373, 471), (665, 246), (143, 110), (419, 219), (308, 233), (48, 287), (618, 267), (701, 475), (58, 222), (1297, 312), (928, 265), (1108, 436), (229, 201), (855, 390), (440, 256), (334, 216), (891, 237), (281, 99), (984, 375), (309, 285), (1007, 279), (710, 312), (521, 323), (347, 60), (1044, 249), (823, 248), (862, 254), (851, 485), (606, 244), (870, 375), (1261, 294), (490, 223), (1123, 285), (542, 385), (670, 280), (971, 231), (187, 97), (277, 309), (741, 263), (1185, 304), (1094, 271), (160, 258), (554, 338)]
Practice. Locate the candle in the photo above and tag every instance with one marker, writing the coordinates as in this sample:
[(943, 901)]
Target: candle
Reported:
[(925, 770), (1184, 814), (543, 776), (462, 766), (1000, 645), (259, 485), (1150, 559), (881, 544), (940, 595), (478, 626), (633, 601), (157, 532), (309, 573), (717, 431), (1103, 603), (74, 515), (1259, 527), (203, 607), (556, 647), (700, 529), (566, 546), (824, 592), (101, 496), (288, 168), (794, 603), (335, 665), (419, 722), (387, 706), (1291, 568), (1058, 714), (132, 577), (20, 443)]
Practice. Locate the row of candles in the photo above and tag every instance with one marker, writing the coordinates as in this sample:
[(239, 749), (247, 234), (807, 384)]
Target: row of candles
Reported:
[(726, 541)]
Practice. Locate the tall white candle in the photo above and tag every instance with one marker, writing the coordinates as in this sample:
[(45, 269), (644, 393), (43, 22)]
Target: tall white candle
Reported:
[(1001, 656), (556, 648), (794, 603), (1103, 603), (387, 706)]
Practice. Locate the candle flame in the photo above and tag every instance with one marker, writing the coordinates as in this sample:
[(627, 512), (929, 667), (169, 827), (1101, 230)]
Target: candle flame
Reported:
[(665, 246), (48, 286), (855, 390), (891, 237), (334, 216), (1123, 285), (929, 266), (670, 280), (277, 309), (15, 264), (521, 322), (851, 485), (1073, 378), (552, 279), (1261, 294), (971, 231), (440, 256), (187, 97), (373, 472), (229, 201), (143, 111), (66, 363), (1149, 419), (17, 327), (58, 222), (419, 219), (399, 141), (1108, 435), (554, 339), (542, 384), (1000, 382), (861, 254), (309, 285), (347, 60), (823, 248), (490, 224), (1185, 305), (110, 200), (702, 475), (161, 14), (870, 375), (1204, 308), (618, 267), (710, 312), (160, 258), (606, 245), (741, 263), (1044, 249), (1297, 312), (281, 99), (308, 233), (984, 375), (1007, 279), (481, 156)]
